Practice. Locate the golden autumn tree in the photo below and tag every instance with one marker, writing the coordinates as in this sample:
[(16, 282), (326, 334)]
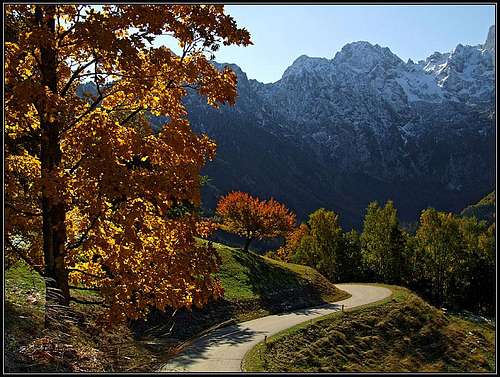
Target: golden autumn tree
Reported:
[(252, 218), (93, 197)]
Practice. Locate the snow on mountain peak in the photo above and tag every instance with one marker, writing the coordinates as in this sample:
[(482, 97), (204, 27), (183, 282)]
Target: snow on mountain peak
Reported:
[(464, 75), (363, 56), (306, 64), (436, 62)]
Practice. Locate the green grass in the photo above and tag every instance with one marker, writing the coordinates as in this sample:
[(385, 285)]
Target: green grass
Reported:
[(254, 286), (488, 199), (23, 309), (78, 345), (401, 333), (247, 276)]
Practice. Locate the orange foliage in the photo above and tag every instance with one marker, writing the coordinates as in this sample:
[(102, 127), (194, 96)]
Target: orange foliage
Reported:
[(94, 161), (292, 242), (252, 218)]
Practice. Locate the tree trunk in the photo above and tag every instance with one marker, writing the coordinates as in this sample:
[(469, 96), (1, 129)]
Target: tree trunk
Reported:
[(247, 243), (53, 211)]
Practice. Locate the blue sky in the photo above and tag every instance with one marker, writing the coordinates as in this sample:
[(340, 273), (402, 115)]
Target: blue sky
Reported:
[(281, 33)]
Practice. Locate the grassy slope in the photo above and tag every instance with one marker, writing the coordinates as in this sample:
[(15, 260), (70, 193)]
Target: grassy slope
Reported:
[(482, 210), (248, 276), (399, 334), (78, 345), (254, 286)]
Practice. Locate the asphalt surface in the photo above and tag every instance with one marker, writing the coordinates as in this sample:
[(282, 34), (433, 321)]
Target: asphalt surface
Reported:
[(223, 350)]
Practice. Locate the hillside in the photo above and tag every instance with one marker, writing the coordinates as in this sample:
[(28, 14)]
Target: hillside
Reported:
[(254, 286), (361, 126), (402, 334), (482, 210)]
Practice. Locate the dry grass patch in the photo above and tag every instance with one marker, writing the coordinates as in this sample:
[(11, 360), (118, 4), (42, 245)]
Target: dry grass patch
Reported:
[(402, 334)]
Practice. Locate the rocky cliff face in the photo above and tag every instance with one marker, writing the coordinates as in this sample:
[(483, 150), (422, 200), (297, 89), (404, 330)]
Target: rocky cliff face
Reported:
[(490, 40), (365, 125)]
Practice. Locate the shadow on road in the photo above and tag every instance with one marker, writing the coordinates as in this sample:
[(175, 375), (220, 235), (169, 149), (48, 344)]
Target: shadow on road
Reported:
[(231, 335), (288, 293), (199, 350)]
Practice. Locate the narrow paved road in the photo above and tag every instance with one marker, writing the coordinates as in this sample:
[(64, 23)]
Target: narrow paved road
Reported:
[(222, 350)]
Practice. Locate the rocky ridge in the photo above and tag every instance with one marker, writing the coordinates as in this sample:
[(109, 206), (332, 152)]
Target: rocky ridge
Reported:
[(365, 125)]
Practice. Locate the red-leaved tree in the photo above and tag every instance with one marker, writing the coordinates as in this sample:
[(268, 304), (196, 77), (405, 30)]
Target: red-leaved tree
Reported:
[(253, 218)]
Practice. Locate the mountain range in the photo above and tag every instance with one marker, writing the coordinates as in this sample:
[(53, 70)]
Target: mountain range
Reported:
[(363, 126)]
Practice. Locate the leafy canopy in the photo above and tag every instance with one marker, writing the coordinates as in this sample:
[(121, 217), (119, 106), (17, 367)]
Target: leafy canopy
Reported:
[(118, 182), (383, 243), (253, 218), (322, 244)]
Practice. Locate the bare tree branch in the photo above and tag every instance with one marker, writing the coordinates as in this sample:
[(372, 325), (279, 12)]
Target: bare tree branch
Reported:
[(85, 234), (25, 213), (131, 115), (102, 96), (74, 76), (92, 107), (72, 27)]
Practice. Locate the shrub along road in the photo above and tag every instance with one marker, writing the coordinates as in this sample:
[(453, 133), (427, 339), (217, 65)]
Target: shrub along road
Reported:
[(223, 350)]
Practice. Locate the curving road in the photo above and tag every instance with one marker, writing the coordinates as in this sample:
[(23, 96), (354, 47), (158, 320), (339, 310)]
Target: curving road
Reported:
[(222, 350)]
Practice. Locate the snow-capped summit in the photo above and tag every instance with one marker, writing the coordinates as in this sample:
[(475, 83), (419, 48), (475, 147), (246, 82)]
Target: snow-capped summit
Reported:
[(362, 56), (368, 84), (435, 62), (306, 65), (360, 127), (466, 74)]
